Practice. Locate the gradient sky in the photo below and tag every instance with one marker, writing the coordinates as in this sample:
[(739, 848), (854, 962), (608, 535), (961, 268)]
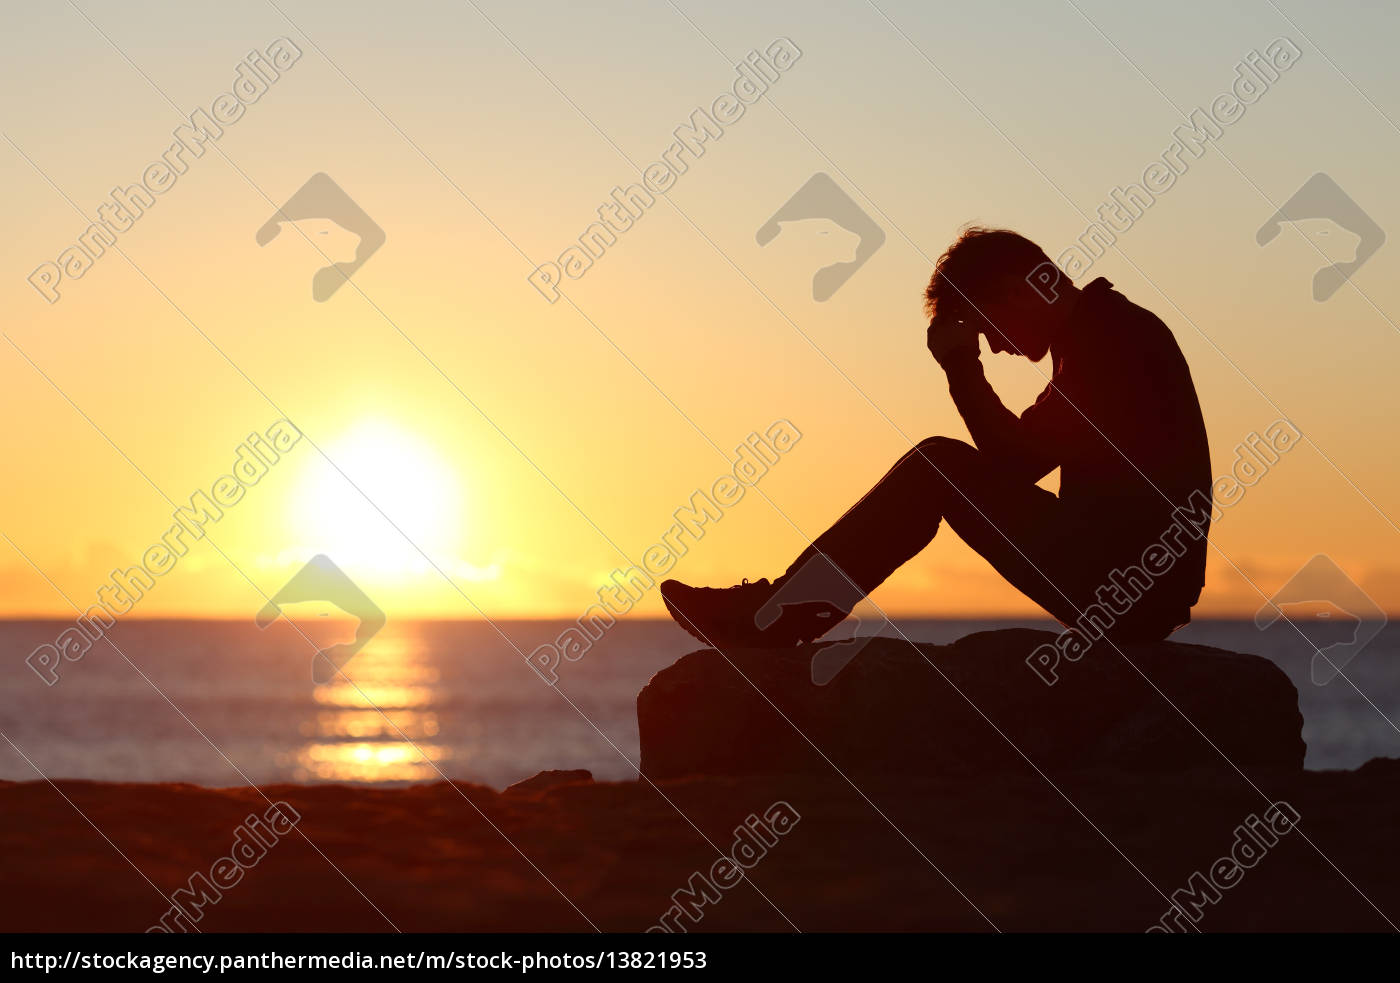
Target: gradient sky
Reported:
[(529, 449)]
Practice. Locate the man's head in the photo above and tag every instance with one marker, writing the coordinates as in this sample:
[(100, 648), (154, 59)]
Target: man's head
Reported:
[(983, 279)]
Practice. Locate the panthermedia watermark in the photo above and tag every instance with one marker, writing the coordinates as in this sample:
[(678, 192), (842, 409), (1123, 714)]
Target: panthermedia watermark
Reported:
[(322, 580), (1253, 838), (822, 198), (253, 838), (321, 197), (1322, 199), (752, 460), (1125, 586), (625, 207), (1330, 610), (253, 76), (820, 585), (1124, 206), (752, 841), (252, 460)]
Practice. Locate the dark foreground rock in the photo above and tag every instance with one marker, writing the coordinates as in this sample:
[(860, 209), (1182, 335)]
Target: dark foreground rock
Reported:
[(970, 709), (1092, 852), (916, 814), (546, 780)]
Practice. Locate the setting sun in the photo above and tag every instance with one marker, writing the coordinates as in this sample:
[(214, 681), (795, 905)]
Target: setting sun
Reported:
[(418, 501)]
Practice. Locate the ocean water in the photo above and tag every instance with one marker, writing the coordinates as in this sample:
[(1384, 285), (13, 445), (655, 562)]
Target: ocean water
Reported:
[(222, 703)]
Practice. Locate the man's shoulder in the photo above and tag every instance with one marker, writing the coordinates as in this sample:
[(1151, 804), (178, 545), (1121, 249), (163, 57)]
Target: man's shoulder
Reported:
[(1111, 318)]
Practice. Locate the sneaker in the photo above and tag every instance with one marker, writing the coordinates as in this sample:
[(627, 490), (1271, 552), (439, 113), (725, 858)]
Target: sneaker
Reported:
[(720, 616)]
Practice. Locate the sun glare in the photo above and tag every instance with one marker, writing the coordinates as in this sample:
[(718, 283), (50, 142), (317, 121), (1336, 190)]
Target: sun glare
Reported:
[(402, 490)]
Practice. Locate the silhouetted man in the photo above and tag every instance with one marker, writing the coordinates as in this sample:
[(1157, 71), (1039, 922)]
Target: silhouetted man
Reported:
[(1120, 419)]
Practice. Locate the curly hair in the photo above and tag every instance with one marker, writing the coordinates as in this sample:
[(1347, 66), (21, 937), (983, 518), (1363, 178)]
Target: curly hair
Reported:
[(974, 264)]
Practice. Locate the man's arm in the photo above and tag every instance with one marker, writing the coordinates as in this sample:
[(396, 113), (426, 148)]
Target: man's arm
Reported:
[(1023, 445)]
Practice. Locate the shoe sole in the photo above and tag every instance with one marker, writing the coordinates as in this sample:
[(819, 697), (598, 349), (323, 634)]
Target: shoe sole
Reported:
[(684, 622)]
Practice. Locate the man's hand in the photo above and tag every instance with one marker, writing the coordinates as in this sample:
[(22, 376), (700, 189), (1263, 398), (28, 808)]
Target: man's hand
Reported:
[(950, 339)]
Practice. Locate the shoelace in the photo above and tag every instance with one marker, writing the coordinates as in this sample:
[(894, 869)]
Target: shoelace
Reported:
[(745, 583)]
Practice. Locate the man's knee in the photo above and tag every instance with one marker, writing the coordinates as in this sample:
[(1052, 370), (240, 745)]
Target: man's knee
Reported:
[(944, 451), (934, 464)]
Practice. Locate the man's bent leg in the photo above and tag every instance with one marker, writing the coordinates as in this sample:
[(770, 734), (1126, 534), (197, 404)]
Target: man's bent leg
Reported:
[(1010, 521), (897, 518), (1014, 524)]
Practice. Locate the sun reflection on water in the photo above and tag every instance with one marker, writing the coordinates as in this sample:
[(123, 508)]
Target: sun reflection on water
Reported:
[(364, 694), (361, 728), (382, 761)]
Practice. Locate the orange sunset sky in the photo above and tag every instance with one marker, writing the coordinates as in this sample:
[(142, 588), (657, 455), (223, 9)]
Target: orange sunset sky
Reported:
[(523, 450)]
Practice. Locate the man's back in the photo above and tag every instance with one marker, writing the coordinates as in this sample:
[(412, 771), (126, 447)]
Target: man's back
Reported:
[(1124, 413)]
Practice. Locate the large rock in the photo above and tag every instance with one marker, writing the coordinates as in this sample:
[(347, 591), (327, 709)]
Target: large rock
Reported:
[(968, 709)]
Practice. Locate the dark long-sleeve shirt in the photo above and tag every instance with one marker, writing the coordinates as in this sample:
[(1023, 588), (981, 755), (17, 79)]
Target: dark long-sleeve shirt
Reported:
[(1121, 420)]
